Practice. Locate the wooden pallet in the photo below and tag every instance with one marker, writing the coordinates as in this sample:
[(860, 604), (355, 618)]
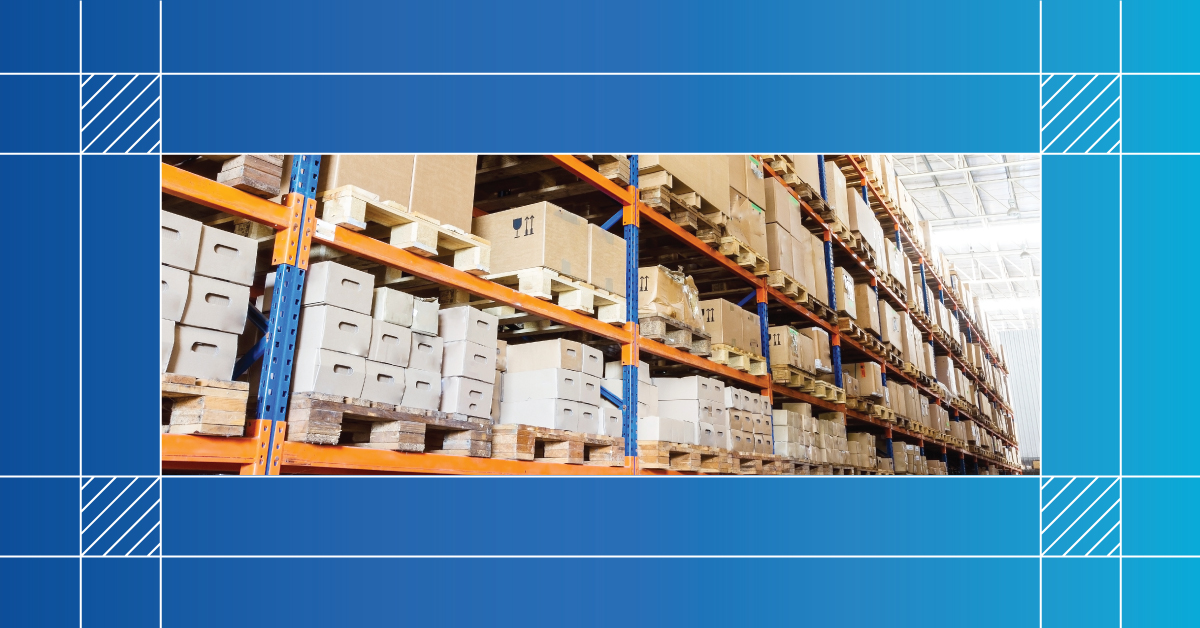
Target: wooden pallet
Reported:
[(675, 333), (868, 340), (651, 177), (548, 285), (259, 175), (352, 207), (541, 444), (750, 463), (658, 454), (792, 377), (744, 256), (739, 359), (205, 406), (822, 311), (686, 211), (323, 419), (790, 288)]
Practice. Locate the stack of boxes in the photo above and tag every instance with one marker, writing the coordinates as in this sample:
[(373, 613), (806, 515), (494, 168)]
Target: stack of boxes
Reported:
[(750, 422), (615, 384), (791, 247), (555, 384), (205, 280), (791, 347), (691, 410), (745, 219), (469, 352), (861, 446), (830, 446), (729, 324), (793, 430)]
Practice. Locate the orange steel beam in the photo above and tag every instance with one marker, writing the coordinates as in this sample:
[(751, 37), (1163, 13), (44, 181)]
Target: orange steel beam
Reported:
[(221, 197), (654, 347), (326, 459), (589, 174), (666, 224), (206, 453), (371, 249), (792, 393)]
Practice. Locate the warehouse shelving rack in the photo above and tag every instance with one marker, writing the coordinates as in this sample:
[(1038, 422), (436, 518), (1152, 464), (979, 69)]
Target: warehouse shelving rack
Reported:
[(264, 450)]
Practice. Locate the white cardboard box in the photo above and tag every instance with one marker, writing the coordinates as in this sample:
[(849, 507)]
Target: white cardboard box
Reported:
[(216, 304), (390, 344), (226, 256), (666, 429), (542, 384), (593, 361), (557, 414), (203, 353), (735, 398), (613, 370), (589, 419), (179, 240), (333, 328), (535, 356), (589, 393), (423, 389), (425, 313), (393, 306), (464, 395), (467, 323), (694, 387), (611, 422), (690, 410), (465, 358), (173, 283), (330, 372), (166, 340), (711, 435), (341, 286), (384, 383), (426, 354)]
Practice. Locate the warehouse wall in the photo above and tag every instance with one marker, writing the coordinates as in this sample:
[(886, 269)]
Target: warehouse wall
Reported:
[(1023, 349)]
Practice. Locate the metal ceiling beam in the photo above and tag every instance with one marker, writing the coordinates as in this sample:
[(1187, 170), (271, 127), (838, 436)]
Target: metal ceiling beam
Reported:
[(1008, 164), (992, 254)]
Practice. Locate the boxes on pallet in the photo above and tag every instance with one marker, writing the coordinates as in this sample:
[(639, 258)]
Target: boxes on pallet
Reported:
[(606, 260), (747, 222), (707, 175), (781, 208), (173, 292), (780, 250), (216, 304), (328, 371), (802, 260), (690, 410), (790, 347), (464, 358), (746, 176), (203, 353), (393, 306), (835, 187), (869, 378), (843, 285), (820, 284), (539, 235), (329, 283), (666, 429), (439, 186), (226, 256), (390, 344), (722, 321), (467, 323), (752, 332), (166, 342), (551, 383), (822, 358), (426, 353), (867, 305), (179, 240), (466, 395), (333, 328), (384, 383), (423, 389), (535, 356), (693, 387), (711, 435), (663, 292)]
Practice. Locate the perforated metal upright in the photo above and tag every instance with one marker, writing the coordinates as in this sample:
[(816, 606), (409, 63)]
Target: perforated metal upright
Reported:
[(291, 264), (629, 352), (835, 341)]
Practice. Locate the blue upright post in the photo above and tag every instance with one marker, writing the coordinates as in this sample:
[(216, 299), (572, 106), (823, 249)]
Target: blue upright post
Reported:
[(962, 464), (629, 368), (924, 290), (890, 454), (835, 348), (275, 382)]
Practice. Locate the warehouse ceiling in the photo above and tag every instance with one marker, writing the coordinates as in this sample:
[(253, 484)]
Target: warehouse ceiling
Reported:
[(986, 217)]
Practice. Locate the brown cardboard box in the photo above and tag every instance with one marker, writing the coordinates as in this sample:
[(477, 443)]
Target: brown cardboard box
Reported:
[(867, 302), (823, 362), (723, 321), (889, 327), (747, 222), (752, 332), (781, 207), (820, 285), (802, 259), (535, 235), (606, 260), (835, 188), (439, 186), (869, 377), (843, 284), (662, 292), (779, 249), (785, 346), (746, 176), (707, 175), (806, 169)]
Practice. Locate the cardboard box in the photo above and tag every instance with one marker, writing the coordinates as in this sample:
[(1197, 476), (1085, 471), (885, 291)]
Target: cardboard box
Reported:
[(802, 260), (328, 327), (330, 372), (589, 418), (755, 403), (693, 387), (867, 307), (173, 284), (551, 383), (467, 323), (722, 321), (393, 306), (329, 283), (611, 421), (497, 386), (666, 429), (843, 285), (166, 342), (426, 354), (662, 292), (425, 316), (465, 395), (463, 358), (735, 398), (761, 444), (538, 235), (613, 370), (746, 176), (203, 353), (647, 395), (835, 187), (779, 249), (535, 356), (820, 285), (752, 332), (707, 175), (786, 346), (690, 410), (439, 186), (593, 361), (606, 260), (423, 389), (869, 378), (556, 414), (781, 207), (390, 344), (720, 416), (761, 423), (823, 361), (216, 304), (590, 390), (746, 222), (179, 240), (226, 256), (501, 355), (889, 326), (384, 383)]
